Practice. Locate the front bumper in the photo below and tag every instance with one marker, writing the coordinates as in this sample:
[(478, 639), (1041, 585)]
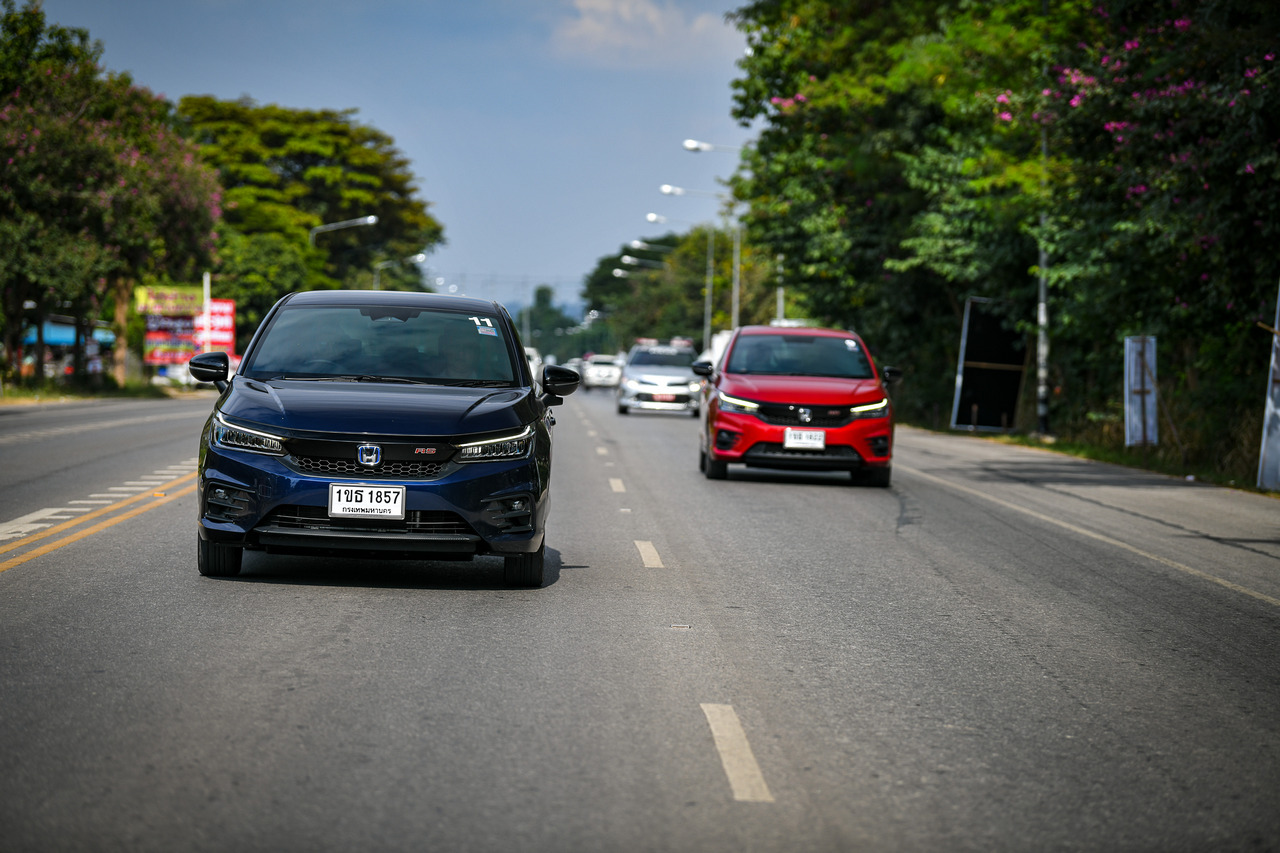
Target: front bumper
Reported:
[(259, 502), (860, 444), (657, 398)]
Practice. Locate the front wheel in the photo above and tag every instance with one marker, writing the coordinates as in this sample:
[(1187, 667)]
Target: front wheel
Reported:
[(713, 468), (216, 560), (524, 569)]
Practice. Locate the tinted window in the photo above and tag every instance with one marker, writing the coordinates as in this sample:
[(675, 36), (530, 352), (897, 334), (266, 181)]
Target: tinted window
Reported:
[(406, 343), (799, 355), (663, 356)]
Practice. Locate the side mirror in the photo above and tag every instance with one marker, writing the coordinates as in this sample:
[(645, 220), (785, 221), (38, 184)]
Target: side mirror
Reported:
[(210, 367), (890, 375), (558, 382), (703, 368)]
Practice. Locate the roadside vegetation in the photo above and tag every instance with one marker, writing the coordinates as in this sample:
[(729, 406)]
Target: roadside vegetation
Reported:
[(907, 156)]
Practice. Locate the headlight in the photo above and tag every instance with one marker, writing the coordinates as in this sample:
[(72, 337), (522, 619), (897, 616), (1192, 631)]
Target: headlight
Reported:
[(695, 386), (633, 384), (507, 447), (734, 404), (878, 409), (241, 438)]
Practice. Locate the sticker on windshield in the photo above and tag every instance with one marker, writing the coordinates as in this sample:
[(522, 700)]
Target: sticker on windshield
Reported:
[(487, 330), (850, 343)]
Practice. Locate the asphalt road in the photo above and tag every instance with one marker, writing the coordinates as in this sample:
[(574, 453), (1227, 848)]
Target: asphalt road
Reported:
[(1006, 650)]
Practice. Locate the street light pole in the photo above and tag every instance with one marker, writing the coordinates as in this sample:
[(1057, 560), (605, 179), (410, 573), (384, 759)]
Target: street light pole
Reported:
[(378, 267), (334, 226)]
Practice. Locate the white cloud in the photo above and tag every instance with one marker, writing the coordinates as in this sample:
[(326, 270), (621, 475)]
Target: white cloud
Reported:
[(644, 34)]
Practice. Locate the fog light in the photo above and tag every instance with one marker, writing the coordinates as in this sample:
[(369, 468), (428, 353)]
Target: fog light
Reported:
[(512, 514), (226, 503), (725, 439), (879, 445)]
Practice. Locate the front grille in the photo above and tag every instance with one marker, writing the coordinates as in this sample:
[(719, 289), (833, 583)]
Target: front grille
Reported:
[(350, 468), (415, 521), (836, 452), (788, 414), (652, 398)]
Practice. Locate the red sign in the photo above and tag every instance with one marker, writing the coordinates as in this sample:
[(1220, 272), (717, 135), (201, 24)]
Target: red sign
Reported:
[(220, 331)]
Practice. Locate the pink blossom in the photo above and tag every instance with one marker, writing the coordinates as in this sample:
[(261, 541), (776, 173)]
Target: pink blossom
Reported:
[(1005, 116), (1077, 100), (1134, 44), (1181, 24), (1002, 98), (1248, 167)]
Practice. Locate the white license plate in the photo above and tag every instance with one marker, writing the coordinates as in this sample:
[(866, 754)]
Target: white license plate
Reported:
[(365, 501), (804, 439)]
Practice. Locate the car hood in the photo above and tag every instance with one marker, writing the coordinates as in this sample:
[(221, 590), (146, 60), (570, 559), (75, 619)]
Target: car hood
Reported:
[(377, 409), (810, 389)]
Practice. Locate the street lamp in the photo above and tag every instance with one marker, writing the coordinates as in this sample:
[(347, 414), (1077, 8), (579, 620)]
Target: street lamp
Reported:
[(380, 265), (696, 145), (346, 223), (710, 285), (641, 262), (668, 189)]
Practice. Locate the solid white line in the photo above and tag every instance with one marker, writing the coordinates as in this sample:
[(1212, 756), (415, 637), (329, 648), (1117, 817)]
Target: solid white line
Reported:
[(91, 502), (736, 756), (616, 485), (649, 555), (1115, 543)]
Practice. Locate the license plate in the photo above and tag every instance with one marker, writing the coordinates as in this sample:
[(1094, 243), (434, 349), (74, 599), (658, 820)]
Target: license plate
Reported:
[(804, 439), (363, 501), (664, 398)]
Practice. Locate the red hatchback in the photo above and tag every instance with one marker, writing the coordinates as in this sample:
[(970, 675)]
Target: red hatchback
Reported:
[(800, 398)]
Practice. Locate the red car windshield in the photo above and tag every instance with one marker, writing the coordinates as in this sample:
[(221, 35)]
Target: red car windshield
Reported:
[(799, 355)]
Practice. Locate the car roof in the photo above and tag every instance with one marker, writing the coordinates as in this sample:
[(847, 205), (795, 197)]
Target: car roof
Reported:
[(397, 298), (794, 331)]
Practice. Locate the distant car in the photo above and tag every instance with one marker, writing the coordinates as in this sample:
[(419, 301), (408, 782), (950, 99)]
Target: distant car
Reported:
[(797, 398), (378, 423), (660, 379), (601, 371)]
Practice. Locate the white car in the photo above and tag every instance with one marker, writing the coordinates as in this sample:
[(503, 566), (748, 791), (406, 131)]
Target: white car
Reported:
[(659, 378), (601, 371)]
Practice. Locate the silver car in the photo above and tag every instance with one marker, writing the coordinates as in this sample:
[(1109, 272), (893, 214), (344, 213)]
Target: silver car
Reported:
[(660, 379)]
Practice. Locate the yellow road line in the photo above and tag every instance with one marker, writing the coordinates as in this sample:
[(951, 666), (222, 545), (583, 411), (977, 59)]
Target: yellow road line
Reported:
[(739, 762), (1116, 543), (92, 529), (115, 505)]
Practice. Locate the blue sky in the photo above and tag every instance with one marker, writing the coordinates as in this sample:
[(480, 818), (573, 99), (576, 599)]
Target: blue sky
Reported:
[(539, 130)]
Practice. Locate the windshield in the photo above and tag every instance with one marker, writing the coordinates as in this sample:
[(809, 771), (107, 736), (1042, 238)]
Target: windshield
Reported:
[(370, 343), (663, 357), (799, 355)]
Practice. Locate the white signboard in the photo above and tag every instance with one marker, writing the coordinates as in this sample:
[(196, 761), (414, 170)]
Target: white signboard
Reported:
[(1269, 460), (1140, 391)]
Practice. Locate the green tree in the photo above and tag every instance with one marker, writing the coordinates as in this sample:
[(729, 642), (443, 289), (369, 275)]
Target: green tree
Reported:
[(99, 191), (286, 171)]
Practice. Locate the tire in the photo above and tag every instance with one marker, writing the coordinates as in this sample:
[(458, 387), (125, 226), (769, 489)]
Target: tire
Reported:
[(524, 569), (713, 468), (693, 413), (215, 560), (623, 410), (876, 477)]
